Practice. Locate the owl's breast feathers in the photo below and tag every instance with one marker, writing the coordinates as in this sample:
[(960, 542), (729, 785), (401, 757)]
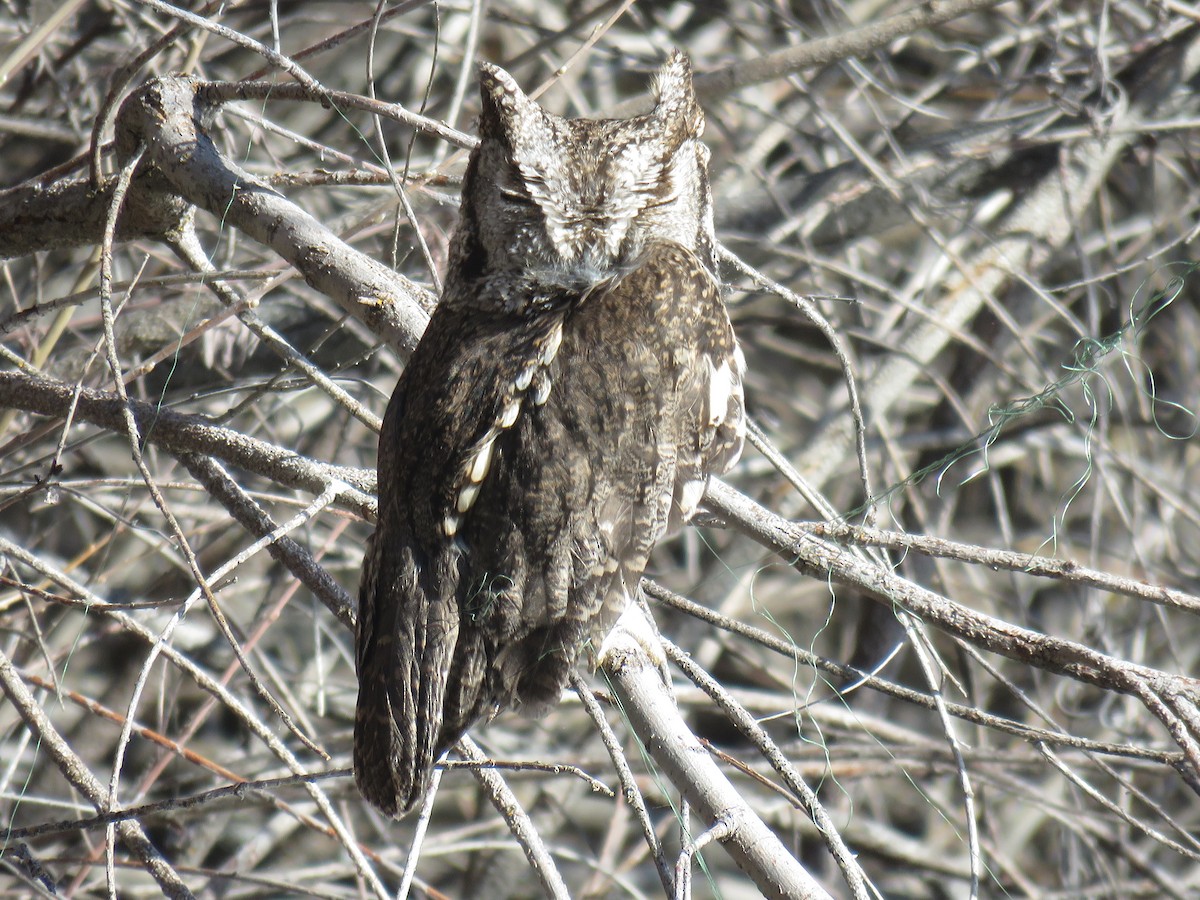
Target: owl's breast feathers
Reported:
[(528, 465)]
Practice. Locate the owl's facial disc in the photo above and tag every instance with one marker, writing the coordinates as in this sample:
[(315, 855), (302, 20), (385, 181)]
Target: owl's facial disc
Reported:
[(584, 197)]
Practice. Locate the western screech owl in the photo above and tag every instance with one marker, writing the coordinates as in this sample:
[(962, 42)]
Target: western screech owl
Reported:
[(577, 383)]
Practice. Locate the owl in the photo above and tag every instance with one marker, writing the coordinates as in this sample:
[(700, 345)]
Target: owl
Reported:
[(578, 382)]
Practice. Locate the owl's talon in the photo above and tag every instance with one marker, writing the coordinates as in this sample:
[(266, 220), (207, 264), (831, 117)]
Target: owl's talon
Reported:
[(633, 625)]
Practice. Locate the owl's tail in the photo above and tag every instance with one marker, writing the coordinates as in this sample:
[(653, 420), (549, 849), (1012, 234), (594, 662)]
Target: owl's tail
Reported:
[(406, 640)]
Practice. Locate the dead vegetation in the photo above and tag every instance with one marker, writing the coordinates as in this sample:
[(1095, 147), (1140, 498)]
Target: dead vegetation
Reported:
[(973, 668)]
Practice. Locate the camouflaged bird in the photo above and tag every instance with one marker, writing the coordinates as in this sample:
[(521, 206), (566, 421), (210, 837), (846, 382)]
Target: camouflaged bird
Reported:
[(577, 384)]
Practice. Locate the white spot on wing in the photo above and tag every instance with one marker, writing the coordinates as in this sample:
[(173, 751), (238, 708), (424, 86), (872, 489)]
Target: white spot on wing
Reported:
[(450, 526), (553, 342), (524, 378), (542, 391), (720, 389), (466, 497), (509, 416), (482, 460)]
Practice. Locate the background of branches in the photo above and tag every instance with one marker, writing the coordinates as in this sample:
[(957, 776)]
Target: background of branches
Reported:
[(997, 214)]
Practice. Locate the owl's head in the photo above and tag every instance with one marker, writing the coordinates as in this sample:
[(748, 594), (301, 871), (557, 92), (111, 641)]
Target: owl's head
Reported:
[(573, 201)]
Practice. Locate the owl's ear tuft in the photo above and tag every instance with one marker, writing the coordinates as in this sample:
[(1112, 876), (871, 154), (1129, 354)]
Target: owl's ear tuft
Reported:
[(503, 102), (676, 105)]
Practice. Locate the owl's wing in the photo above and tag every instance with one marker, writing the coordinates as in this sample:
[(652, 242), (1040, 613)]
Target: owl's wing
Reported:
[(462, 390), (404, 644), (710, 419)]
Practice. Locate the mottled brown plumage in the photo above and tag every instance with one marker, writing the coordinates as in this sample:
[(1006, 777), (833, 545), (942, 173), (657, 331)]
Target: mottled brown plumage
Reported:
[(577, 383)]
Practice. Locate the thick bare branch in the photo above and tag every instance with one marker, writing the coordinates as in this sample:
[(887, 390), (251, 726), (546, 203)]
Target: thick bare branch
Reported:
[(36, 216), (168, 117), (653, 716), (824, 560), (181, 433)]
